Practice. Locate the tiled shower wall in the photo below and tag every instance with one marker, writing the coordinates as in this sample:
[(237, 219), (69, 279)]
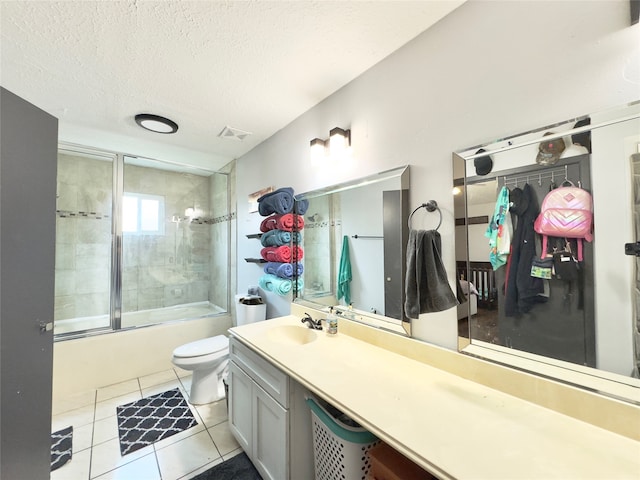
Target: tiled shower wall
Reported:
[(174, 268), (188, 263)]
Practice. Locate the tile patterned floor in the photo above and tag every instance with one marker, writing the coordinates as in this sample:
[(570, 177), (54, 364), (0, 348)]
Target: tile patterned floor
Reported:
[(96, 449)]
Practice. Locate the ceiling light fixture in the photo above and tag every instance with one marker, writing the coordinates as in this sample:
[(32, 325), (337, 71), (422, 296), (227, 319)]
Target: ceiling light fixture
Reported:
[(156, 123)]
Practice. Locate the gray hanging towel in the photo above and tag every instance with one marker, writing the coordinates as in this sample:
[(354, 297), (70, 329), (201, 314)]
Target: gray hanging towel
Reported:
[(427, 288)]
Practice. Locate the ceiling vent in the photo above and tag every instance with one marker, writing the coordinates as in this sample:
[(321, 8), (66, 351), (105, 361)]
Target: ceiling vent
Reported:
[(228, 132)]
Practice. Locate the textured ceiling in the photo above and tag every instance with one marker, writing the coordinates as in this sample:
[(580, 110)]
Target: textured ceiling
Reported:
[(251, 65)]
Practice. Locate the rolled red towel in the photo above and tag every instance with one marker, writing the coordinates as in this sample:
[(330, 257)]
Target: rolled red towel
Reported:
[(269, 223), (297, 253), (289, 221), (277, 254)]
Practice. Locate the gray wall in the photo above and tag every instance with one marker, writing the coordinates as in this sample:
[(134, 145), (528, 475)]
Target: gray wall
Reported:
[(487, 70)]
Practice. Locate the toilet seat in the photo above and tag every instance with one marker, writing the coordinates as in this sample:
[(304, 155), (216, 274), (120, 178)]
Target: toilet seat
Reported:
[(206, 346)]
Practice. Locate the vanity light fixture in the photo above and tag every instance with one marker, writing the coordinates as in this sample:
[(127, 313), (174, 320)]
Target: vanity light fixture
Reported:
[(156, 123), (318, 150), (338, 144), (339, 140)]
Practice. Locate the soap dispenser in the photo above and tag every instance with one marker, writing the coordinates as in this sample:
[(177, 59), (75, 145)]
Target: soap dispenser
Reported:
[(332, 323)]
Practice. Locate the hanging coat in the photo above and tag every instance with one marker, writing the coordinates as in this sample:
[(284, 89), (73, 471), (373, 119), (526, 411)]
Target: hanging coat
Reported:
[(522, 291)]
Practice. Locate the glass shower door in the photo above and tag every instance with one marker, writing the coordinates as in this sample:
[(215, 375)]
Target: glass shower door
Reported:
[(167, 238), (83, 241)]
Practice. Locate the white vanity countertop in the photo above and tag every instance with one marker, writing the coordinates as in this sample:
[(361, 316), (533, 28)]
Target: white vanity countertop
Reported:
[(451, 426)]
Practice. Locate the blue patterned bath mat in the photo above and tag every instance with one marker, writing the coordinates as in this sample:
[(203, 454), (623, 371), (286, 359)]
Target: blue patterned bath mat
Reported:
[(152, 419), (61, 447)]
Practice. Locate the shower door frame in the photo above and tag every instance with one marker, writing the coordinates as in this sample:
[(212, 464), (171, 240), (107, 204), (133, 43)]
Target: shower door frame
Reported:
[(116, 264)]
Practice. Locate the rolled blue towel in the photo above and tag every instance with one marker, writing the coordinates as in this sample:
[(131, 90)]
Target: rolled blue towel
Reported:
[(282, 270), (275, 238), (279, 201), (300, 207), (300, 284), (274, 284)]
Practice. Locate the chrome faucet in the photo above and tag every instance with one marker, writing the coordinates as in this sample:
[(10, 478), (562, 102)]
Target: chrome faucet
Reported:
[(311, 323)]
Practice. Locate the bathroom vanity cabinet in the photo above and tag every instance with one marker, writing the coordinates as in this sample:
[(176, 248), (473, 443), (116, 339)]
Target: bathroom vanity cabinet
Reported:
[(268, 416)]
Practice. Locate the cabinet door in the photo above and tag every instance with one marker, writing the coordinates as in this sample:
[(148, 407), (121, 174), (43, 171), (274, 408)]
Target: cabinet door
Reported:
[(240, 406), (270, 439)]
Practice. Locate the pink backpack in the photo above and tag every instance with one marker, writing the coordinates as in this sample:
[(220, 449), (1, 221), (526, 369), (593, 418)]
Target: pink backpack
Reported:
[(567, 212)]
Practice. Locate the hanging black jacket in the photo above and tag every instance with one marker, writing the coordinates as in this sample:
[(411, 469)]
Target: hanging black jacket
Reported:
[(522, 290)]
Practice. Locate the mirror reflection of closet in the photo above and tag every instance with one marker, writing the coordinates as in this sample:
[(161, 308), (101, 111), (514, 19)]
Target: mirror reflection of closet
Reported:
[(528, 321), (587, 326)]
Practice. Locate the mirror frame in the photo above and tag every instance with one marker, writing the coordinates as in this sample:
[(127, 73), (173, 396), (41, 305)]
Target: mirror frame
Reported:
[(403, 326), (609, 384)]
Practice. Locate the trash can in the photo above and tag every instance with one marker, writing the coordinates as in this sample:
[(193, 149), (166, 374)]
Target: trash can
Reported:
[(250, 309), (340, 446)]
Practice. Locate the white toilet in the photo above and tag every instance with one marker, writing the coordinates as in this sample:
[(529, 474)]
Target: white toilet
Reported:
[(208, 359)]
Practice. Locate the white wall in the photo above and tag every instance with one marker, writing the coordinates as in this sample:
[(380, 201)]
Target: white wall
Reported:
[(488, 70)]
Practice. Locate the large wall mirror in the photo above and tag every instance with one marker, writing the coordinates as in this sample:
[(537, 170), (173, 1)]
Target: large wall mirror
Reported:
[(556, 305), (357, 232)]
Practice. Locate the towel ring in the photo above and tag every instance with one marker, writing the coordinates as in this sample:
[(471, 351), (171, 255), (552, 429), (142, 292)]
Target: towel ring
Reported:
[(430, 206)]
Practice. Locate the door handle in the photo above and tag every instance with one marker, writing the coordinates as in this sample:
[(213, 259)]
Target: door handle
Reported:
[(45, 326), (632, 249)]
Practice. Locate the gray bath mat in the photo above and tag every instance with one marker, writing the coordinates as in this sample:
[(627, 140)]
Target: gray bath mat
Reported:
[(152, 419), (61, 447), (236, 468)]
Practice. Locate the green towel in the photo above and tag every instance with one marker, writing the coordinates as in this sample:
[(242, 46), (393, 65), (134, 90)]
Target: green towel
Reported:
[(344, 274)]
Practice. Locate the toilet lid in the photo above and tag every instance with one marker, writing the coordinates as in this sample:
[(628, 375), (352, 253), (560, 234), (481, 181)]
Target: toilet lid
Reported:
[(206, 346)]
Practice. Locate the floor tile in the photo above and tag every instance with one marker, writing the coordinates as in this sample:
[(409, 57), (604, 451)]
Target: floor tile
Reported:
[(162, 387), (157, 378), (106, 457), (75, 469), (202, 469), (118, 389), (213, 413), (96, 447), (165, 442), (75, 418), (145, 468), (232, 454), (185, 456), (223, 438), (108, 407), (182, 373), (105, 429), (82, 437)]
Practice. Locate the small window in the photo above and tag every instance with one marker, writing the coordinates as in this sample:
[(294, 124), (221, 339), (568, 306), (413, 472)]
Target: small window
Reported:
[(142, 214)]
